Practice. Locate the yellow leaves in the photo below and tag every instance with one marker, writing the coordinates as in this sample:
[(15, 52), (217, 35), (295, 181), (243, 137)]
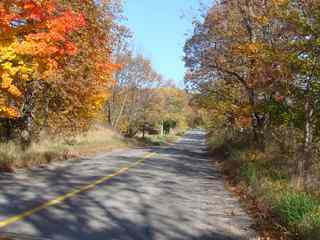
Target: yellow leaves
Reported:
[(280, 2), (7, 52), (7, 73), (8, 112), (262, 20), (7, 86), (52, 64), (13, 69), (12, 65), (14, 91), (98, 100), (10, 68), (24, 77), (248, 48), (25, 70), (5, 111), (6, 81), (7, 66), (252, 48)]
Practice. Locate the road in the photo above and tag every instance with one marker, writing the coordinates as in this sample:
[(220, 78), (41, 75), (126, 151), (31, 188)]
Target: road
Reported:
[(161, 193)]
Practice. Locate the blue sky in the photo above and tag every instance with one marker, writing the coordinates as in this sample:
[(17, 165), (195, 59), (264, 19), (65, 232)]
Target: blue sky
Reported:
[(159, 28)]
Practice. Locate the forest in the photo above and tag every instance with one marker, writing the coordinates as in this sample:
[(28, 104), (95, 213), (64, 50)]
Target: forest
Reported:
[(71, 84)]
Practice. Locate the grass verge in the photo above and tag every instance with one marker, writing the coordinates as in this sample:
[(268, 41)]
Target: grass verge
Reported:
[(49, 149)]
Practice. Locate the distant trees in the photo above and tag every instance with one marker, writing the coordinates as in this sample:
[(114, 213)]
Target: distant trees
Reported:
[(140, 100), (255, 66), (131, 96), (172, 109)]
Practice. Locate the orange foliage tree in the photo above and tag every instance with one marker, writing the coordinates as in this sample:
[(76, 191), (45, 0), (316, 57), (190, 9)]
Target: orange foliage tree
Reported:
[(34, 37), (54, 60), (89, 73)]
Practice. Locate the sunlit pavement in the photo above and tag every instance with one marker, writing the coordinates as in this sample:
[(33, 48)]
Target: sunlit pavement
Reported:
[(174, 194)]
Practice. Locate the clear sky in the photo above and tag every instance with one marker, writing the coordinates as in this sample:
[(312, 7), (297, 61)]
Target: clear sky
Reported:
[(159, 28)]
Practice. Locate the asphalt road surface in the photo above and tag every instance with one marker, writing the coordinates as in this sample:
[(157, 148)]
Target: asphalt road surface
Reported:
[(171, 192)]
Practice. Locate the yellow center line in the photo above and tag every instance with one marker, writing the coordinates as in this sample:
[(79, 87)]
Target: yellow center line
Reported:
[(71, 194)]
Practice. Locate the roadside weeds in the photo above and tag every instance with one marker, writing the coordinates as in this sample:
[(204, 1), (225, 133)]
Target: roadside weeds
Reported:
[(91, 143), (48, 150)]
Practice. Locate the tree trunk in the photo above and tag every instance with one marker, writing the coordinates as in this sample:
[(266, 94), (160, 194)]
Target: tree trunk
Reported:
[(143, 129), (115, 124), (46, 106), (6, 129), (27, 119), (109, 114), (162, 128), (257, 122), (304, 162)]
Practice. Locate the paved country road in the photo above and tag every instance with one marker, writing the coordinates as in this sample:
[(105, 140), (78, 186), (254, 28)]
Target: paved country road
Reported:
[(173, 193)]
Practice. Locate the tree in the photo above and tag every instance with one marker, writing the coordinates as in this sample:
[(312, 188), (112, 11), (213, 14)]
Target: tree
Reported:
[(56, 66), (34, 40), (90, 73), (243, 54), (301, 28)]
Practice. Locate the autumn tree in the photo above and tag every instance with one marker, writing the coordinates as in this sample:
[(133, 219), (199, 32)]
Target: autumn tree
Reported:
[(256, 63), (236, 43), (90, 72), (34, 41), (55, 62)]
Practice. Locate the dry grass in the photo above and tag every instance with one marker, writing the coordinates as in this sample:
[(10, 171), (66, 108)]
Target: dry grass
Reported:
[(50, 149)]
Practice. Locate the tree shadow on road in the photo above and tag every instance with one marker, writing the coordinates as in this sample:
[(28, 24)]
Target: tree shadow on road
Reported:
[(146, 203)]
